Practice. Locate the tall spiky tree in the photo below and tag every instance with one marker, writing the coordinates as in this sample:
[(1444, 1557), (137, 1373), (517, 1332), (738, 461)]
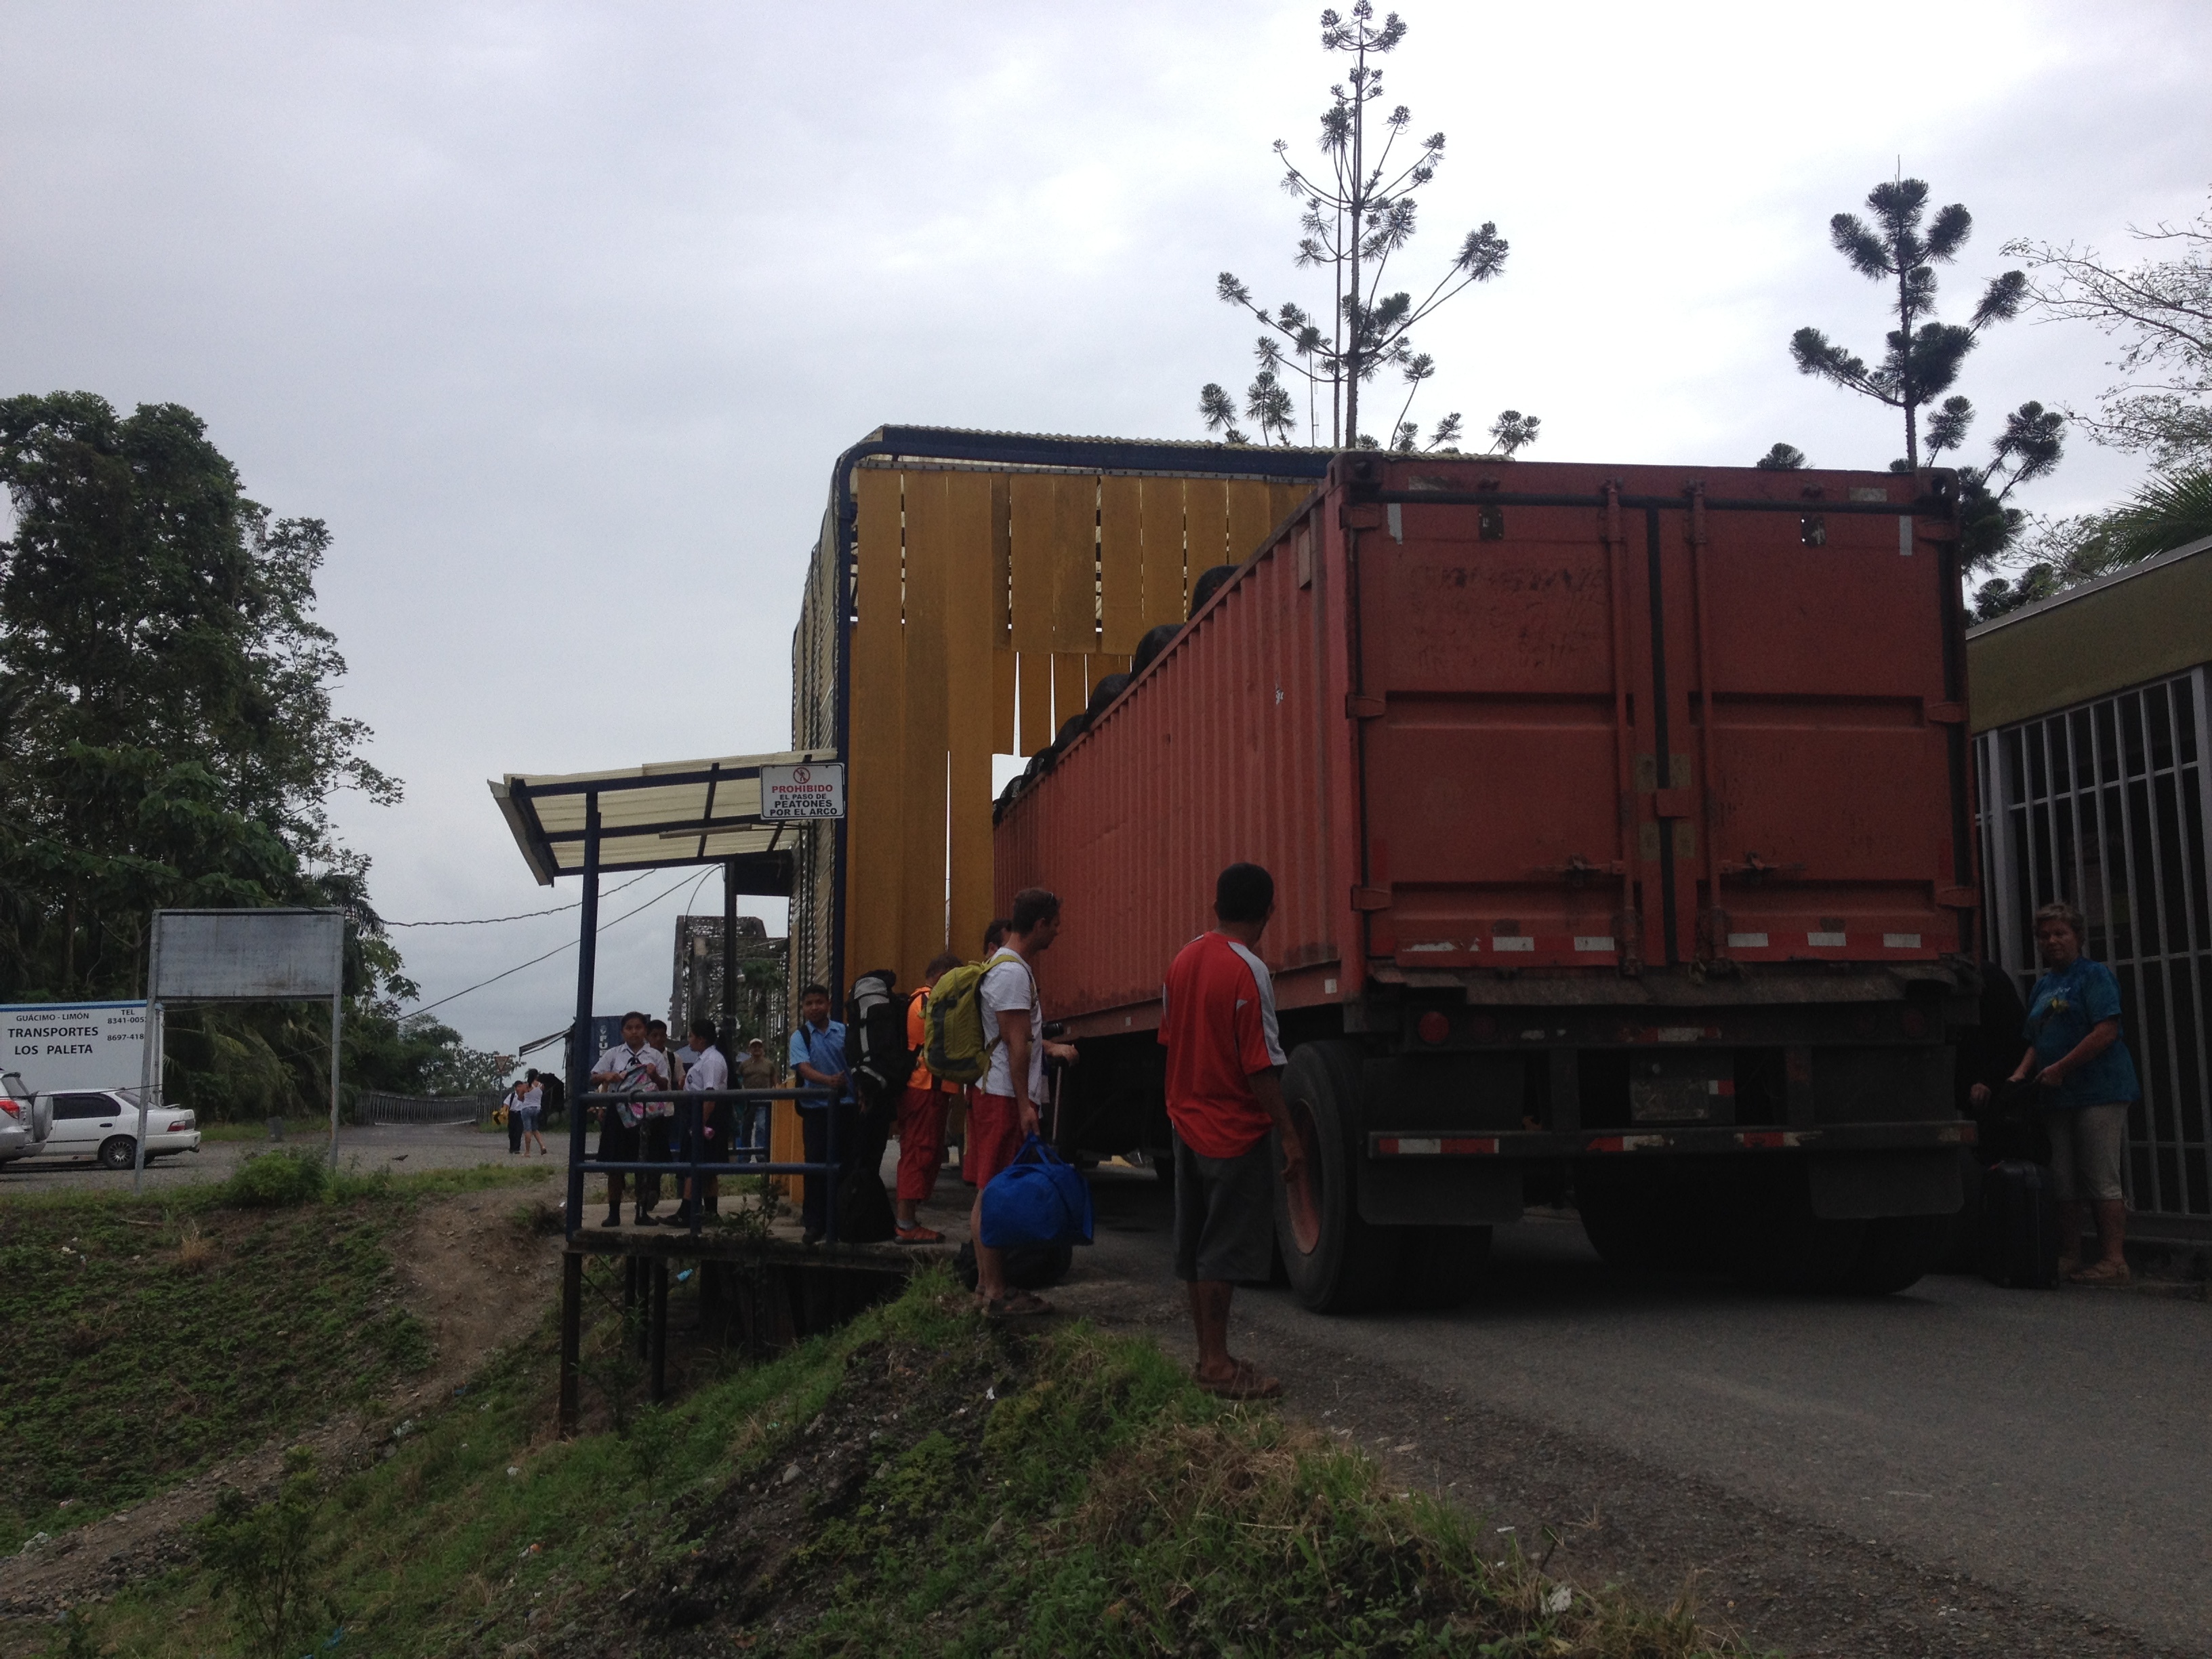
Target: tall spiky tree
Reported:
[(1358, 213), (1925, 356)]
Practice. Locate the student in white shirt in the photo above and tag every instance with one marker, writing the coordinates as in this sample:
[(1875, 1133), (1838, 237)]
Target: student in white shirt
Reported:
[(632, 1066), (531, 1104), (705, 1072), (1005, 1113)]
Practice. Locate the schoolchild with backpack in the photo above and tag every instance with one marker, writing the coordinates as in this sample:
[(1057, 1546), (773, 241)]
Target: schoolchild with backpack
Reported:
[(923, 1106), (986, 1022), (817, 1055)]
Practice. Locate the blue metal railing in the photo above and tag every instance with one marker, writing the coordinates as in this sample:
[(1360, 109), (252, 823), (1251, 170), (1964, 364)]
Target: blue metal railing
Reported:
[(689, 1119)]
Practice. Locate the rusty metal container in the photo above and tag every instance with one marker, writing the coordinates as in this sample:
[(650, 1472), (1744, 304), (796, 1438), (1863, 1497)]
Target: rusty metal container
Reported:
[(1603, 804)]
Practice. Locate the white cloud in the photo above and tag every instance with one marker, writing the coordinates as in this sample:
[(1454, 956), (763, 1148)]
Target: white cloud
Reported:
[(559, 315)]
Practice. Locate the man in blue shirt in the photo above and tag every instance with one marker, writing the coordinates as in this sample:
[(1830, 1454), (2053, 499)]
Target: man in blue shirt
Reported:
[(817, 1055), (2086, 1080)]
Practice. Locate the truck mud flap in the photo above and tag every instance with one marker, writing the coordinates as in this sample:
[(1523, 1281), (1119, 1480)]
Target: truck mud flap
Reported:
[(1862, 1186), (1407, 1193)]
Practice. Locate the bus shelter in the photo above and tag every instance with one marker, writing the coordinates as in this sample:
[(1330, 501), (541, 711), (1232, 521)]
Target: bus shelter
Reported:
[(737, 813)]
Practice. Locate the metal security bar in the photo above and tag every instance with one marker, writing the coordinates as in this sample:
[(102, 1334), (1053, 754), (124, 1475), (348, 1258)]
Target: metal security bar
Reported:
[(2103, 805), (688, 1119)]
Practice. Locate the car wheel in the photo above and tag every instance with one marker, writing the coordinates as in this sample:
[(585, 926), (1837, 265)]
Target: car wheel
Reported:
[(118, 1152), (1337, 1263)]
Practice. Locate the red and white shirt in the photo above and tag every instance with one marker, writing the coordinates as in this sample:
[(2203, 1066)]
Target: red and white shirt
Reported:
[(1218, 1024)]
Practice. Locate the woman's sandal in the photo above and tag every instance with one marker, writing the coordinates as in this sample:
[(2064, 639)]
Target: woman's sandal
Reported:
[(919, 1236), (1020, 1305), (1244, 1383)]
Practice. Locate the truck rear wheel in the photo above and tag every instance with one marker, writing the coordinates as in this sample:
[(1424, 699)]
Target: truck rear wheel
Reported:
[(1337, 1263), (1785, 1246), (1897, 1252), (1441, 1266)]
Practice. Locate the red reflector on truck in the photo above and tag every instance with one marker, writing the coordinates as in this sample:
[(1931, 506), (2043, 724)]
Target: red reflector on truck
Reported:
[(1438, 1146), (1623, 1143)]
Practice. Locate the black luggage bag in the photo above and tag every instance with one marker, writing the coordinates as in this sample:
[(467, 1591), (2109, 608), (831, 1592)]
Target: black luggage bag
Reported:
[(2019, 1227)]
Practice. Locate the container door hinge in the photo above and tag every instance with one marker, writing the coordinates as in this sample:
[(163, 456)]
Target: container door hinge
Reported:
[(1358, 708), (1947, 714), (1370, 899), (1958, 898)]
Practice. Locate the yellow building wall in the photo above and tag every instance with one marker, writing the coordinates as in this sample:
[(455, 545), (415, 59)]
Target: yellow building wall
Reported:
[(989, 604), (2154, 623)]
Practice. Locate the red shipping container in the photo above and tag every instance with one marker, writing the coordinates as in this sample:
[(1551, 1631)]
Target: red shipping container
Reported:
[(1591, 763)]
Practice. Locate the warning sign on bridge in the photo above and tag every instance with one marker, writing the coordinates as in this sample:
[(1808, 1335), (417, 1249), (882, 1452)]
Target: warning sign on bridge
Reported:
[(792, 792)]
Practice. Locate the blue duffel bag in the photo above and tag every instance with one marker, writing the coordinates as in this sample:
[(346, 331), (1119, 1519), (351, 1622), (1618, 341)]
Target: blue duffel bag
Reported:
[(1038, 1199)]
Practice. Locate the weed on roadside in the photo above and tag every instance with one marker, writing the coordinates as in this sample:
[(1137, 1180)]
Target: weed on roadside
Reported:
[(148, 1338)]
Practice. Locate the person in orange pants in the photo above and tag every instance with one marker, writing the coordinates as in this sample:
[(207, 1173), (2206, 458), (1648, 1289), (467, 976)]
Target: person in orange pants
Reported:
[(922, 1110)]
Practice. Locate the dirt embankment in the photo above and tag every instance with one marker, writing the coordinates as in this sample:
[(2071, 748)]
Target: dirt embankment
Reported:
[(477, 1277)]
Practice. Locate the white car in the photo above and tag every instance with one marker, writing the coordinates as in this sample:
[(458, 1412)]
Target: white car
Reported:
[(24, 1119), (103, 1123)]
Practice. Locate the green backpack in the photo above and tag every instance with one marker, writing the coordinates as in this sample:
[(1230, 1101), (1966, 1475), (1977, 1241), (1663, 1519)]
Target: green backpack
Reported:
[(952, 1024)]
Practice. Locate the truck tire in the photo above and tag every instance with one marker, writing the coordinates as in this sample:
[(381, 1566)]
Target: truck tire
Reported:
[(1155, 641), (1209, 583), (1337, 1263), (1636, 1221), (1441, 1266), (1785, 1246), (1104, 692), (1897, 1252)]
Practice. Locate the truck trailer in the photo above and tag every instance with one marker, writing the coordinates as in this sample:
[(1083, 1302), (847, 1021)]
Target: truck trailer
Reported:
[(1621, 826)]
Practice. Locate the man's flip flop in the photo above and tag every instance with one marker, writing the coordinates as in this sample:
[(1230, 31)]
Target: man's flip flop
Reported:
[(919, 1236), (1245, 1383), (1020, 1305)]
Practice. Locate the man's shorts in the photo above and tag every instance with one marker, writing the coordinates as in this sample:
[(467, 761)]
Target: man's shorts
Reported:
[(1225, 1215), (618, 1141), (2087, 1143), (994, 1137)]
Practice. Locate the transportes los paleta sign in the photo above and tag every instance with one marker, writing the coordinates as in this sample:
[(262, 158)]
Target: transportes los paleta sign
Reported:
[(814, 791), (74, 1045)]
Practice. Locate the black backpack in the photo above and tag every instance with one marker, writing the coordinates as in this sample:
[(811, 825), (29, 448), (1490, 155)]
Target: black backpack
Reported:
[(881, 1060)]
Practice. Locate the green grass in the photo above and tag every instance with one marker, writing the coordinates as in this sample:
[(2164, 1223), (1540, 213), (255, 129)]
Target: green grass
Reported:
[(964, 1490), (296, 1129), (148, 1337)]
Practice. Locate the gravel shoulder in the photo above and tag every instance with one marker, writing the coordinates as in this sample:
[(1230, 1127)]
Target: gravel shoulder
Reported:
[(1623, 1481), (364, 1149)]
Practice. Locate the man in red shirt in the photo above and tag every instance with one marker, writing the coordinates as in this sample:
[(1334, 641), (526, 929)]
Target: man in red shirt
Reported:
[(1218, 1024)]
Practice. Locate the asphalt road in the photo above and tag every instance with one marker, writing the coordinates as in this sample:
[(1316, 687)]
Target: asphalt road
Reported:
[(2045, 1451), (365, 1150)]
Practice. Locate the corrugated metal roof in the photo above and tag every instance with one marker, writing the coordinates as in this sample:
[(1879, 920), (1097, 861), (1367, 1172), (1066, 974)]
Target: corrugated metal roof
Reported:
[(660, 815)]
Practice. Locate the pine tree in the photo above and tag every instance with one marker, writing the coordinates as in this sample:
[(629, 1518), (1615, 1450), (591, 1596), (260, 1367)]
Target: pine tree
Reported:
[(1924, 358), (1358, 213)]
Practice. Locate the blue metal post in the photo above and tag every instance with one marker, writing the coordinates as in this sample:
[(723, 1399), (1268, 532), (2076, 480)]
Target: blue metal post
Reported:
[(830, 1156), (580, 1038)]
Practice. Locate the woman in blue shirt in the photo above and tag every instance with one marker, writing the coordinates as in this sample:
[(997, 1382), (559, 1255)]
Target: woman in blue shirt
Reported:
[(2087, 1080)]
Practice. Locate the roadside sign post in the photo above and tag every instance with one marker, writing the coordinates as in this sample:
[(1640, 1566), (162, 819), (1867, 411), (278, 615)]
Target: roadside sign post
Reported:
[(794, 794), (240, 955)]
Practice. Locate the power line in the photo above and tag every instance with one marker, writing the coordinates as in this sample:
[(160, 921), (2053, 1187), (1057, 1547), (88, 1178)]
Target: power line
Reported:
[(487, 922), (557, 949)]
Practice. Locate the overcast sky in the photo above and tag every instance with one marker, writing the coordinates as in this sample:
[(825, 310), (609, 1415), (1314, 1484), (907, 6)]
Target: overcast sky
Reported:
[(558, 315)]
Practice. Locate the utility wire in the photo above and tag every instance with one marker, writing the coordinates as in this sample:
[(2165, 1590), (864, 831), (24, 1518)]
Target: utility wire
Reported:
[(487, 922), (557, 949)]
